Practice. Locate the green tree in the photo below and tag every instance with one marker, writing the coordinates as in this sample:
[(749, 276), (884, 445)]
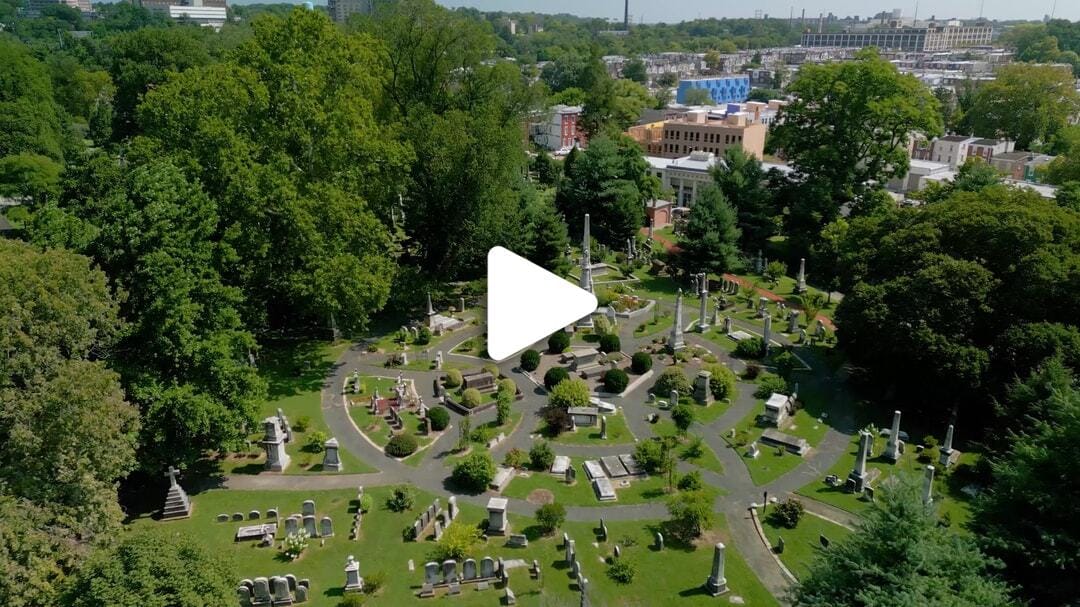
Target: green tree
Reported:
[(474, 472), (1028, 104), (722, 383), (548, 238), (37, 552), (1024, 518), (697, 96), (30, 119), (671, 378), (635, 70), (29, 175), (901, 553), (153, 569), (691, 515), (550, 517), (849, 125), (569, 393), (683, 416), (541, 457), (742, 180), (709, 242), (457, 542), (610, 181)]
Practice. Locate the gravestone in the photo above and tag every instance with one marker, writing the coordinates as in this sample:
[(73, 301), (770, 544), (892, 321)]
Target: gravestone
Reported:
[(928, 486), (576, 568), (752, 452), (517, 540), (431, 572), (308, 508), (702, 391), (800, 286), (823, 540), (510, 598), (223, 518), (659, 541), (766, 335), (331, 458), (254, 515), (727, 325), (243, 596), (282, 596), (535, 569), (793, 321), (487, 567), (417, 528), (948, 455), (571, 475), (570, 552), (603, 427), (857, 478), (326, 527), (453, 589), (603, 530), (238, 516), (353, 581), (452, 507), (468, 570), (675, 339), (309, 526), (177, 504), (449, 570), (301, 594), (779, 545), (273, 442), (438, 530), (617, 551), (261, 592), (498, 523), (272, 513), (292, 525), (894, 447), (291, 579), (717, 582)]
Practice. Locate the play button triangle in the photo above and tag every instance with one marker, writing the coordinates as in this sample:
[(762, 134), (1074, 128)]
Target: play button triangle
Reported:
[(526, 303)]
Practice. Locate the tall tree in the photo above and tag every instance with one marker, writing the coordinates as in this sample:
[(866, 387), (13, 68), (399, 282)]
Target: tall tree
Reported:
[(610, 181), (850, 122), (1028, 104), (36, 553), (709, 242), (742, 180), (1027, 516), (30, 119), (153, 569), (899, 555)]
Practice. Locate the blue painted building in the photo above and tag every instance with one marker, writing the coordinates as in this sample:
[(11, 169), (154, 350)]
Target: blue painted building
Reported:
[(723, 89)]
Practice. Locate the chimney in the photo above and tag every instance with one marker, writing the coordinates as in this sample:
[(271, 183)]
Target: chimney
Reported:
[(821, 23), (626, 15)]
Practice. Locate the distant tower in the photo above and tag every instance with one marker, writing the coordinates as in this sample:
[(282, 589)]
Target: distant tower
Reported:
[(626, 15)]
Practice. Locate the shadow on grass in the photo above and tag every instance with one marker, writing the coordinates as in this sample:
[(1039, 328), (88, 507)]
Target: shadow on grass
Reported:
[(294, 366)]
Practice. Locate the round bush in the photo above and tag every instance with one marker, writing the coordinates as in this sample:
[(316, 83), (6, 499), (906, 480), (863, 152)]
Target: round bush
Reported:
[(507, 385), (493, 370), (402, 445), (541, 457), (440, 418), (559, 341), (570, 393), (769, 383), (609, 342), (615, 381), (471, 398), (474, 472), (641, 362), (453, 378), (555, 375), (530, 360), (722, 382), (750, 348), (671, 378)]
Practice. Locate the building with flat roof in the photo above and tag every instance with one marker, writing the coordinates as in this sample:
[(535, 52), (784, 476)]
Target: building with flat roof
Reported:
[(932, 37), (210, 13), (341, 10), (710, 130), (685, 175), (34, 7), (733, 88), (558, 131)]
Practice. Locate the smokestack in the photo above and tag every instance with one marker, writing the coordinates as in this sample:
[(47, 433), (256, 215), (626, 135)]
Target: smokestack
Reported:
[(802, 20), (821, 23), (626, 15)]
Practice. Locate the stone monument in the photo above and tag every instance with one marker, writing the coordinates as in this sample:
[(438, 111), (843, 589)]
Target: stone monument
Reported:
[(177, 504), (498, 524), (717, 582), (353, 581), (274, 444), (675, 340), (894, 448), (857, 478), (586, 280), (702, 391), (331, 458), (800, 287)]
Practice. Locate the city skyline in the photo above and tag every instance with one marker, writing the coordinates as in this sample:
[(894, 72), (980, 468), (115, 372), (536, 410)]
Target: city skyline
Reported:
[(683, 10)]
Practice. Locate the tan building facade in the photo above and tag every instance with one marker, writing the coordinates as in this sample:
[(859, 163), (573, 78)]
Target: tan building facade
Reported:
[(695, 132)]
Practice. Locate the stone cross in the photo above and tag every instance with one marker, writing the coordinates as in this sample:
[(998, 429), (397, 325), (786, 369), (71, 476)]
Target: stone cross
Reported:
[(717, 582), (173, 472)]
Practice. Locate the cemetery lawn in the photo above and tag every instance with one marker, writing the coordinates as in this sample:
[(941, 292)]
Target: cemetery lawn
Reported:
[(948, 497), (295, 374), (654, 325), (378, 431), (382, 553), (617, 430), (707, 459), (769, 466), (581, 492), (801, 544), (473, 346)]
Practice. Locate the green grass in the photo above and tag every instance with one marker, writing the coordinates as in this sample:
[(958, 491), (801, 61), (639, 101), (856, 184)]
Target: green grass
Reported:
[(295, 373), (380, 548), (617, 430), (654, 325), (581, 492), (802, 543), (948, 496), (768, 466)]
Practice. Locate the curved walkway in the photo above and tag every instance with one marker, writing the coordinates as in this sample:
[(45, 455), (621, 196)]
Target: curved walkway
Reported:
[(431, 475)]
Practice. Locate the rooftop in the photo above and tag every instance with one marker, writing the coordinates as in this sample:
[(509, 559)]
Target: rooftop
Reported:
[(956, 138)]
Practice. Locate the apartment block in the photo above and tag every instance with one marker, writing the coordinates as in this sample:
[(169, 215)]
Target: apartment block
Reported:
[(733, 88)]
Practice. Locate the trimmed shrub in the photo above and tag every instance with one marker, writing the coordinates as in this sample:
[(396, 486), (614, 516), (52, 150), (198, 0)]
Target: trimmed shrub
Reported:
[(622, 571), (683, 416), (440, 418), (402, 445), (559, 341), (516, 458), (474, 472), (401, 499), (570, 393), (615, 381), (507, 386), (555, 375), (453, 378), (470, 399), (722, 383), (641, 362), (550, 517), (530, 360), (671, 378), (541, 457), (769, 383), (691, 481), (423, 336), (750, 348), (787, 513), (493, 370), (609, 342), (314, 442)]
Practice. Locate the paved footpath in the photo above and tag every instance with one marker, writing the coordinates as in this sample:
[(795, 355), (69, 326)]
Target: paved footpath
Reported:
[(432, 474)]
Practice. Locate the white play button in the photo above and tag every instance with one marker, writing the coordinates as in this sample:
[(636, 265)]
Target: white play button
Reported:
[(526, 303)]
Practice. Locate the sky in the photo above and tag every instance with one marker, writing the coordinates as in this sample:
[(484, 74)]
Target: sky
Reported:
[(671, 11)]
